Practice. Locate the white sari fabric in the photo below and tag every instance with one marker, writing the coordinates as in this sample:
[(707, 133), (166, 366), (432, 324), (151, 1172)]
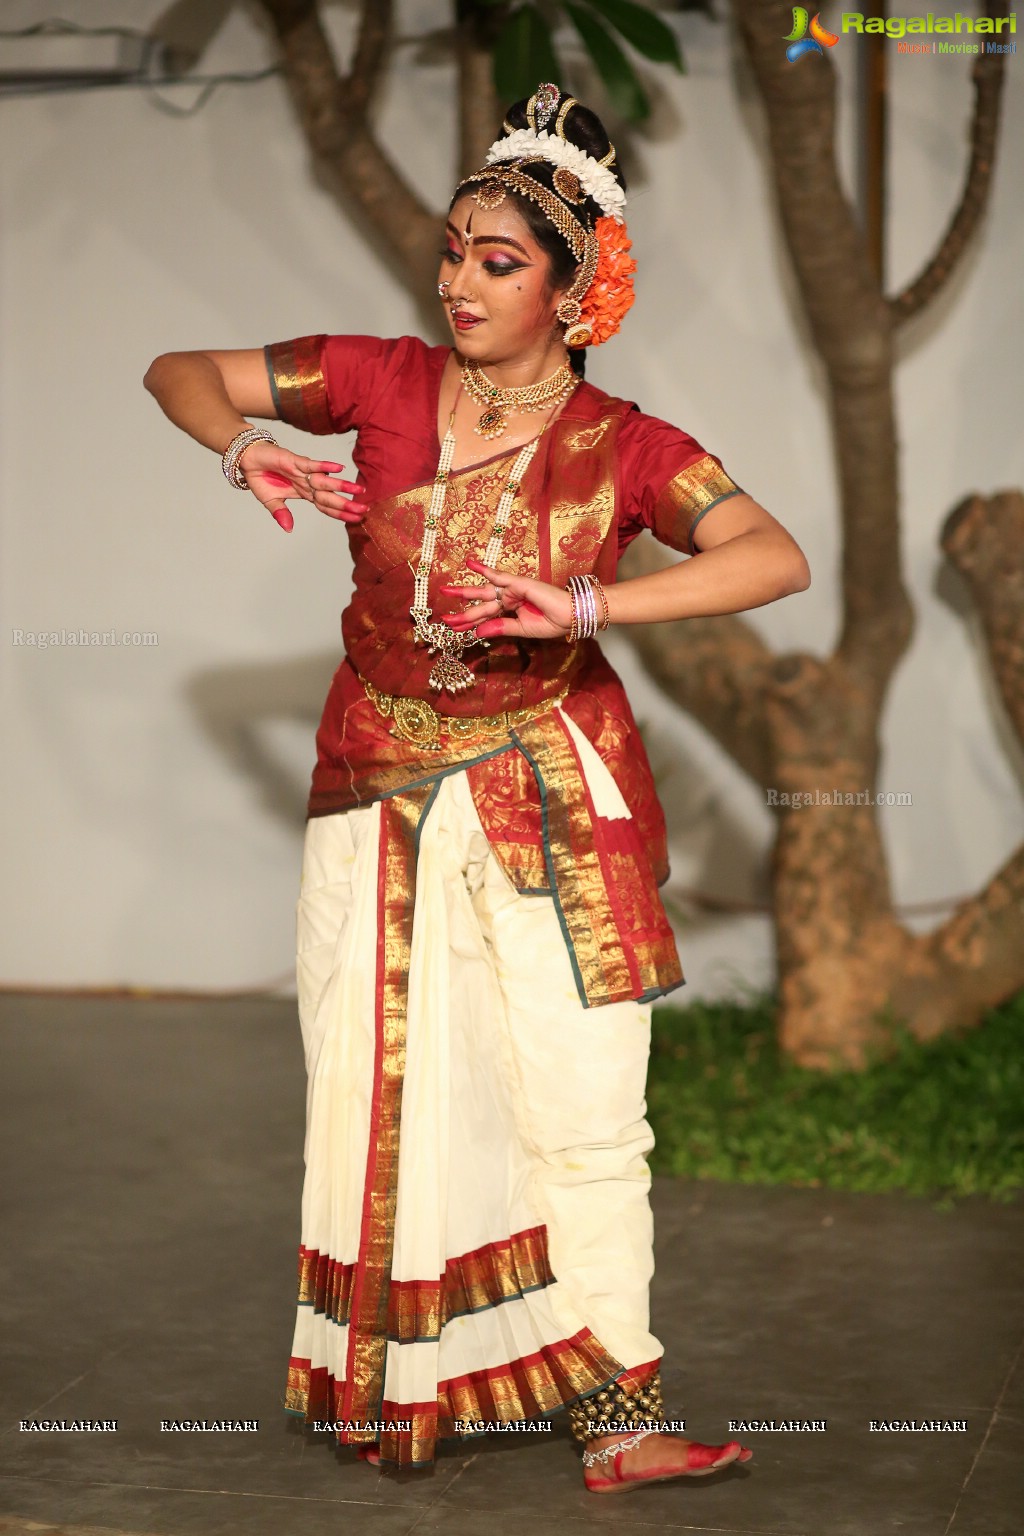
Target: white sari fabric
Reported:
[(476, 1234)]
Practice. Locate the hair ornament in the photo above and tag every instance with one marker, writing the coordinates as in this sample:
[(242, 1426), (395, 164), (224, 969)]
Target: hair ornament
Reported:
[(610, 294), (542, 106), (568, 185), (596, 179), (563, 113)]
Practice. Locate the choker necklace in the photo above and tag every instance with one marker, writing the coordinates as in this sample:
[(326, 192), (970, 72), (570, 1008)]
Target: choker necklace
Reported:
[(528, 397), (449, 670)]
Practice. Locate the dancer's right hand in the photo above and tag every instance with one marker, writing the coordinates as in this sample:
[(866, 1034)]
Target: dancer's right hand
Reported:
[(275, 474)]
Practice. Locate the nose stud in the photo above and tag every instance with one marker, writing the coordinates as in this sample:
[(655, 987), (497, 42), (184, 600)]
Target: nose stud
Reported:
[(442, 289)]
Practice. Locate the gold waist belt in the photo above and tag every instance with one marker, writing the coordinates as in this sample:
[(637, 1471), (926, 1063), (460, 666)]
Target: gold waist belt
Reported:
[(419, 722)]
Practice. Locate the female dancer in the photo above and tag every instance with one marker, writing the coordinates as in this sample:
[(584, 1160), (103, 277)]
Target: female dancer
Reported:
[(479, 927)]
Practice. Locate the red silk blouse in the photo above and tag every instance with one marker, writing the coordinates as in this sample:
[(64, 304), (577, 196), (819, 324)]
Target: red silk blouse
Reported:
[(604, 472)]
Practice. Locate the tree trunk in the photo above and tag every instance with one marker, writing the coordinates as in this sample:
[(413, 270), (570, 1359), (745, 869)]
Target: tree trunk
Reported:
[(479, 109), (807, 729)]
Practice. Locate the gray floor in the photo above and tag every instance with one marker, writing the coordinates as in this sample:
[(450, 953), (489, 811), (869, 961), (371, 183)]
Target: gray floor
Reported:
[(151, 1225)]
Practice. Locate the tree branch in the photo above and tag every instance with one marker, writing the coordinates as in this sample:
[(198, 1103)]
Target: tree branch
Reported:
[(984, 539), (479, 108), (851, 329), (972, 962), (334, 115), (717, 669), (369, 56), (987, 76), (975, 959)]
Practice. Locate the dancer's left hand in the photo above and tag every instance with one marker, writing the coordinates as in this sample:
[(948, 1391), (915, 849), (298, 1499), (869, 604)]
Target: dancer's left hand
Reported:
[(533, 609)]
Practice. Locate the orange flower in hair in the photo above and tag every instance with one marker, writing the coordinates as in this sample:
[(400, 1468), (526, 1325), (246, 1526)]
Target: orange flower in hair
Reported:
[(611, 294)]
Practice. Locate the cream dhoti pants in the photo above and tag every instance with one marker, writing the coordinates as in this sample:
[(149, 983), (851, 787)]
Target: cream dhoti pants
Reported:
[(476, 1238)]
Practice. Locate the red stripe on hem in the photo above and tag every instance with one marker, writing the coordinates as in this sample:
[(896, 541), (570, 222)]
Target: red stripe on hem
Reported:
[(365, 1234)]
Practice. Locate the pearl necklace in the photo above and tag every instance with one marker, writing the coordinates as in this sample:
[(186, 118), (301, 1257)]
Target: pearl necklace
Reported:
[(557, 387), (450, 671)]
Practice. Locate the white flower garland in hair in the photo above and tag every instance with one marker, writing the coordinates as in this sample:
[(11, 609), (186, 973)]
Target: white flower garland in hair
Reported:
[(596, 179)]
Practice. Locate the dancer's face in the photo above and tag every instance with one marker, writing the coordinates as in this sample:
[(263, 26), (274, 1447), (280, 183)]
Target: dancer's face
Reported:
[(493, 264)]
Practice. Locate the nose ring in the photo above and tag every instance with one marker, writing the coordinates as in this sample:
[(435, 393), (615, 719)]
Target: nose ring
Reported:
[(442, 289)]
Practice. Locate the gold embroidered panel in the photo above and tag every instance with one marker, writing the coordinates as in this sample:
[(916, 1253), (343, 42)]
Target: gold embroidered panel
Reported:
[(685, 499), (297, 383), (581, 516), (377, 627)]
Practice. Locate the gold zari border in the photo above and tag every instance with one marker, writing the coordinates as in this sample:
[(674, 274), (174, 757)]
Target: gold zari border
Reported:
[(419, 1309), (298, 384), (685, 499)]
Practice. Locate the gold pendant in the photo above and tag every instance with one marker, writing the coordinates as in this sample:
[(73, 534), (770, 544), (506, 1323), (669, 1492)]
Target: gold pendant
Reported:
[(492, 423), (447, 672)]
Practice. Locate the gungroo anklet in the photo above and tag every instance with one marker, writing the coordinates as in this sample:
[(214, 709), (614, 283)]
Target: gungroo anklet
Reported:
[(613, 1410)]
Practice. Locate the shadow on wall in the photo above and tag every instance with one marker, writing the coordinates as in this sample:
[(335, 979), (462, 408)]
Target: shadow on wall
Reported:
[(232, 703), (716, 845)]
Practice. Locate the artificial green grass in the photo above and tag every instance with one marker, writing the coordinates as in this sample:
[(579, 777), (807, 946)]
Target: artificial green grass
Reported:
[(942, 1120)]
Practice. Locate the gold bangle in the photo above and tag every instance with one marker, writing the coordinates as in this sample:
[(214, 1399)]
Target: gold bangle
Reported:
[(605, 620), (570, 638)]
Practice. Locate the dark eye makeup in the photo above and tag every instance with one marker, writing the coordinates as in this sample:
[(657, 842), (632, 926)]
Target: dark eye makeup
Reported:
[(495, 268)]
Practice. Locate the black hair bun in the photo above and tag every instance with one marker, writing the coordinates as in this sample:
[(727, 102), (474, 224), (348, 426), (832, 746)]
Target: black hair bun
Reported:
[(580, 126)]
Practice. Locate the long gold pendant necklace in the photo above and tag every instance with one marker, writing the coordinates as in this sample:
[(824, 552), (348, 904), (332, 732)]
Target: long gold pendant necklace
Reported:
[(449, 670)]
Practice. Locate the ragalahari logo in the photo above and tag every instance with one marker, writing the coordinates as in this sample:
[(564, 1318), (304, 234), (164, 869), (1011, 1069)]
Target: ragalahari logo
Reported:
[(800, 43)]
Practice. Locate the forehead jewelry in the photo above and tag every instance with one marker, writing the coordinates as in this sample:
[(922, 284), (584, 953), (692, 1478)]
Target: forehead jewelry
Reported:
[(489, 194)]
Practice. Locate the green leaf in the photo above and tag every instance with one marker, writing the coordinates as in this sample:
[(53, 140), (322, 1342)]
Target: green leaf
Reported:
[(523, 55), (620, 80), (645, 31)]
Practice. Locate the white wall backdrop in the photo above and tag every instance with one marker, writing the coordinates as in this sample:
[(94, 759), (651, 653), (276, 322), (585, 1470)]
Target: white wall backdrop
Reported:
[(153, 795)]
